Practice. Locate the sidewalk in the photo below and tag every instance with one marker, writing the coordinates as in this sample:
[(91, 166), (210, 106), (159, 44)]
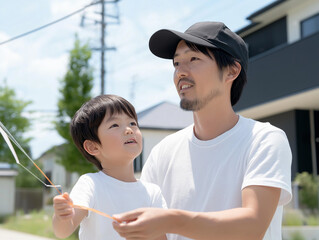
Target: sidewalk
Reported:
[(6, 234)]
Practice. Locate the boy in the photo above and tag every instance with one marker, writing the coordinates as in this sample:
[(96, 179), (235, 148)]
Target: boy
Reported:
[(105, 130)]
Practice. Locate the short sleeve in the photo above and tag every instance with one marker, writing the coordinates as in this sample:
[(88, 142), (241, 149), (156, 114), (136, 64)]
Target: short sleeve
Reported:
[(269, 164), (83, 191)]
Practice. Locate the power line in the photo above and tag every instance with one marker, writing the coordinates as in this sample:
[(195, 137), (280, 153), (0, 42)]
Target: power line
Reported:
[(49, 24)]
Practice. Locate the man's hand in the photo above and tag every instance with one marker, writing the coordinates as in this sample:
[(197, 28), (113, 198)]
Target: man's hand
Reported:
[(143, 223), (62, 205), (250, 221)]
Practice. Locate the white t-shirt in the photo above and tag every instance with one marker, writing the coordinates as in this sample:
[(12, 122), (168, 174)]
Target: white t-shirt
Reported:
[(206, 176), (111, 196)]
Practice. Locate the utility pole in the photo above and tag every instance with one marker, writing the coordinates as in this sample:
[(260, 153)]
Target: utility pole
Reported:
[(103, 48), (133, 86)]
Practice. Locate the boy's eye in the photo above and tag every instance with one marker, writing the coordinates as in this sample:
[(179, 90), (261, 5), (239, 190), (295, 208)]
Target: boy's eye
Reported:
[(114, 125), (133, 124), (175, 64)]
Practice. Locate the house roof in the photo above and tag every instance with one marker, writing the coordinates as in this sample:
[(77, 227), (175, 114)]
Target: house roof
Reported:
[(265, 9), (164, 115), (270, 12)]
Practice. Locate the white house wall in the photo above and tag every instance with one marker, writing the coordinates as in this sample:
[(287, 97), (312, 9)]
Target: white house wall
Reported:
[(296, 15), (7, 193)]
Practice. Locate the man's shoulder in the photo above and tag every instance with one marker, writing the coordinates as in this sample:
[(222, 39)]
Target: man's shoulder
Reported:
[(170, 141), (261, 132), (258, 127), (185, 132)]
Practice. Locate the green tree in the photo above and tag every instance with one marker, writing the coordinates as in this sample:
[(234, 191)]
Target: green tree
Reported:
[(75, 89), (308, 193), (11, 116)]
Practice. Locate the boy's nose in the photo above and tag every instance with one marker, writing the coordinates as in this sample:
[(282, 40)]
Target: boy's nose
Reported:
[(128, 130)]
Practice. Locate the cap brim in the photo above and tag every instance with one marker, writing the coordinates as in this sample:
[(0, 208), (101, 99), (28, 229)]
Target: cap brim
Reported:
[(163, 43)]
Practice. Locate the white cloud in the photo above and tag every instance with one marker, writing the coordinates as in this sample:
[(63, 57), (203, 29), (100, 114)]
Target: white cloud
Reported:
[(11, 60), (61, 8)]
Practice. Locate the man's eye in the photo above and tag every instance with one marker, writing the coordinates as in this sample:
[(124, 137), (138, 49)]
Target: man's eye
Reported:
[(114, 125), (175, 64), (194, 58)]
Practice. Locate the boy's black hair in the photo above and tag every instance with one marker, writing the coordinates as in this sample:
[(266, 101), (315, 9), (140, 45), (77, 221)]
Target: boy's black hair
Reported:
[(223, 59), (86, 121)]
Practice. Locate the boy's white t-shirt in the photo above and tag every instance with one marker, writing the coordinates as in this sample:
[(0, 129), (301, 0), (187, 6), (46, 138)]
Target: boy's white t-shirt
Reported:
[(207, 176), (111, 196)]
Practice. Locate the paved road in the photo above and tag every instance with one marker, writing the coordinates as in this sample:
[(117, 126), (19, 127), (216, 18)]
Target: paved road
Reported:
[(6, 234)]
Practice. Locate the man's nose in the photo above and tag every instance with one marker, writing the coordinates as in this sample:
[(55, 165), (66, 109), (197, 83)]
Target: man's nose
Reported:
[(181, 72)]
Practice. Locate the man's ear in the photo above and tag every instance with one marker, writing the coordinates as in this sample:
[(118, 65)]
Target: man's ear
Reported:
[(233, 71), (91, 147)]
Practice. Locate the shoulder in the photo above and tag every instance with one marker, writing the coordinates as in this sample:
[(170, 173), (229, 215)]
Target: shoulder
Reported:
[(150, 187), (154, 193), (180, 135), (89, 178), (259, 130)]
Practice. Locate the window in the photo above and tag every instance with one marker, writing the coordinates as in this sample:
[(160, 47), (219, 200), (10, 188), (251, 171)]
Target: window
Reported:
[(310, 26), (138, 163), (268, 37)]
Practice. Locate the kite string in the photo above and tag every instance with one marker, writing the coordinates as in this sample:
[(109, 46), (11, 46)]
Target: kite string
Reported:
[(32, 174), (19, 146), (46, 177), (74, 206)]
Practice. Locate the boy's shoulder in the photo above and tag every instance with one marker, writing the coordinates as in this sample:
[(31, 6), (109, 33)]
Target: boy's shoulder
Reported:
[(90, 177), (148, 184), (151, 188)]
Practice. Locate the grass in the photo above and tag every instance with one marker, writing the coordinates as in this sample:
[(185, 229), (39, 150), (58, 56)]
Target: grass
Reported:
[(293, 217), (298, 217), (312, 220), (37, 223)]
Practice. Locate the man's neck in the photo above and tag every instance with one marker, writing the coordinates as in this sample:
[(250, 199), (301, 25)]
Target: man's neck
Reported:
[(212, 121)]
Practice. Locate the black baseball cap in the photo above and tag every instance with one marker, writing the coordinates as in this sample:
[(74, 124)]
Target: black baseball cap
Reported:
[(163, 43)]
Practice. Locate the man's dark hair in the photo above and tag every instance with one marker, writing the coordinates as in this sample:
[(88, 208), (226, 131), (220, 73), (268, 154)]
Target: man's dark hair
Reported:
[(86, 121), (224, 59)]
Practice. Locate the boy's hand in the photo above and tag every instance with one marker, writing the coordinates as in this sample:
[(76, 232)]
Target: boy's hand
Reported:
[(62, 205)]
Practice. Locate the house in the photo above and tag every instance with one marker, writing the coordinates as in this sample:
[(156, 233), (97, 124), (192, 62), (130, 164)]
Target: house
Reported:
[(7, 186), (283, 79), (56, 173), (156, 123)]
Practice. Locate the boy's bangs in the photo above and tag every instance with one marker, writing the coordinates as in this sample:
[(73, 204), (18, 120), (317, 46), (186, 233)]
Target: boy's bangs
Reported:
[(118, 107)]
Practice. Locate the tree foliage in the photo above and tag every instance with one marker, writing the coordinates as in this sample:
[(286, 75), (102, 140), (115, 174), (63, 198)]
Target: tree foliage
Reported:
[(308, 193), (11, 109), (75, 89), (11, 116)]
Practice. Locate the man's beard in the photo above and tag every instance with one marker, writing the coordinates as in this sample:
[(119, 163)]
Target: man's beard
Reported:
[(198, 104)]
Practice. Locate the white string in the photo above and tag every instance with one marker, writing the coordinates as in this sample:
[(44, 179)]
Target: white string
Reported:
[(7, 137)]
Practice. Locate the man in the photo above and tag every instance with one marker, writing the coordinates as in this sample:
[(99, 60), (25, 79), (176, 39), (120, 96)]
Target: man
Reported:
[(226, 176)]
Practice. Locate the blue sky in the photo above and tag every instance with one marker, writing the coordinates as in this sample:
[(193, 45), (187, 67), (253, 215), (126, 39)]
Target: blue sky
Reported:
[(35, 64)]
